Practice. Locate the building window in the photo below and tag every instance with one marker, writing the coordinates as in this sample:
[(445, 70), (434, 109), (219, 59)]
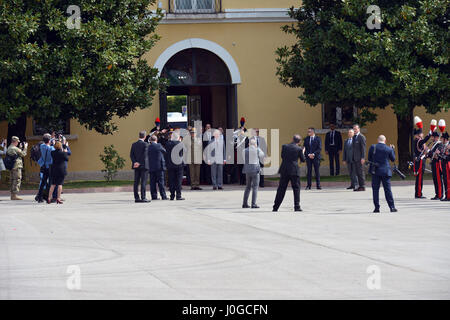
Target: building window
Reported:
[(194, 6), (343, 116), (177, 111), (62, 127), (196, 67)]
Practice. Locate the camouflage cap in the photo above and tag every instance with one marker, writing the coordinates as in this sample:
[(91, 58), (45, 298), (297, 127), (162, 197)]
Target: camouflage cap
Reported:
[(14, 139)]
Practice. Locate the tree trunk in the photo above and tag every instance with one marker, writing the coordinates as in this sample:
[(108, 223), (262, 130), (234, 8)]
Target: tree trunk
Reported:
[(405, 127), (18, 129)]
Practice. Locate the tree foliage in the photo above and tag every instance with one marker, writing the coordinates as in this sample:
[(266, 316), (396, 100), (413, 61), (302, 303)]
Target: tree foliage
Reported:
[(51, 72), (112, 162), (337, 59)]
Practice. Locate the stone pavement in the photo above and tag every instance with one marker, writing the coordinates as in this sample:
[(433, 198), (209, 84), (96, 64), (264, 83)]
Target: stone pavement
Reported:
[(208, 247)]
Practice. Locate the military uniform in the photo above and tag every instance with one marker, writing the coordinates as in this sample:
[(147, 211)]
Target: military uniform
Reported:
[(194, 168), (436, 169), (445, 164), (419, 164), (16, 172)]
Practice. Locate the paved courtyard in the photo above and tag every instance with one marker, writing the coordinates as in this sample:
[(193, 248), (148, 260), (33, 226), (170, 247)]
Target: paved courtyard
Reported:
[(208, 247)]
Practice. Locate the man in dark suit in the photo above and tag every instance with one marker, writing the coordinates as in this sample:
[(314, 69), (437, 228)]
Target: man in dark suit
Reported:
[(359, 156), (333, 145), (347, 158), (157, 166), (174, 162), (379, 156), (313, 147), (290, 171), (139, 160)]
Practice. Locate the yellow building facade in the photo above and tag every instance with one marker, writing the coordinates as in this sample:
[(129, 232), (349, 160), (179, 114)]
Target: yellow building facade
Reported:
[(231, 34)]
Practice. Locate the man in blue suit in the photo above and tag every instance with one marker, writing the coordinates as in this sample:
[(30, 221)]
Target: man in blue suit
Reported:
[(157, 166), (313, 147), (379, 156)]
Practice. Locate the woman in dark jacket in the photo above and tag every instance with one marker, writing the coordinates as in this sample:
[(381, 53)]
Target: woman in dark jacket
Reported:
[(58, 170)]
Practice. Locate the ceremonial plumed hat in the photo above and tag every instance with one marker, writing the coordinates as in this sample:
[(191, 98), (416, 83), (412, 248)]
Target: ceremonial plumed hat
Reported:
[(435, 134), (445, 135)]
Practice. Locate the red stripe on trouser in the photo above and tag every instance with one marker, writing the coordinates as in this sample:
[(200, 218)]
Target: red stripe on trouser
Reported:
[(420, 178), (448, 179), (438, 177)]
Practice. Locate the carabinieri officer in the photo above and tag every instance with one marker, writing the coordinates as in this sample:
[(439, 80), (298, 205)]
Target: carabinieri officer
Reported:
[(419, 160)]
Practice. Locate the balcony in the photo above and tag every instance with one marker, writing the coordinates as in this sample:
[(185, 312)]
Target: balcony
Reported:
[(195, 6)]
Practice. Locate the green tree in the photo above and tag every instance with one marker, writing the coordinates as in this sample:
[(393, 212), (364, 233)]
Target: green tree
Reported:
[(336, 58), (112, 161), (52, 71)]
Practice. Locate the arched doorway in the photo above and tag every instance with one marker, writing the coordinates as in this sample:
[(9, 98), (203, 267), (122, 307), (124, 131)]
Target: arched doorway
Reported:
[(204, 80)]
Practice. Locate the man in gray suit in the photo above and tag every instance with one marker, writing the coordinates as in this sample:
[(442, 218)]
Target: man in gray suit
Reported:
[(347, 158), (359, 157), (253, 156)]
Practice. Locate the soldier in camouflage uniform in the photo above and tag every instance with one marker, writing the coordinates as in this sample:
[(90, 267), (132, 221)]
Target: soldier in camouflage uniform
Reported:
[(16, 172)]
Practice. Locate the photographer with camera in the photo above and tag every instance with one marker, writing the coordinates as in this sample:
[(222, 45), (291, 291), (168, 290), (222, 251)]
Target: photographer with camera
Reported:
[(13, 161), (2, 152), (379, 156), (65, 147), (45, 162)]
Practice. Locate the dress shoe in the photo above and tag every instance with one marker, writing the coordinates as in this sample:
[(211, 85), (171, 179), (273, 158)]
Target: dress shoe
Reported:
[(351, 187), (245, 206), (214, 188), (361, 189), (393, 210), (298, 209), (172, 198), (274, 210), (319, 188), (254, 206), (377, 210), (15, 197), (181, 198), (421, 197), (445, 199), (435, 198), (165, 198), (308, 188), (220, 188), (145, 200)]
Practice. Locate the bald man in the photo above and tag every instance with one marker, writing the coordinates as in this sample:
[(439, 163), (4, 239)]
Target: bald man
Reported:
[(379, 156)]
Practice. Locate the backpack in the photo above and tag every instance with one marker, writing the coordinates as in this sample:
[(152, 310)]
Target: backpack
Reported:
[(9, 161), (35, 153)]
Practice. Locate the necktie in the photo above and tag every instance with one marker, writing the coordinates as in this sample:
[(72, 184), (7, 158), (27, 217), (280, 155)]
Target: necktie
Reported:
[(332, 137)]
